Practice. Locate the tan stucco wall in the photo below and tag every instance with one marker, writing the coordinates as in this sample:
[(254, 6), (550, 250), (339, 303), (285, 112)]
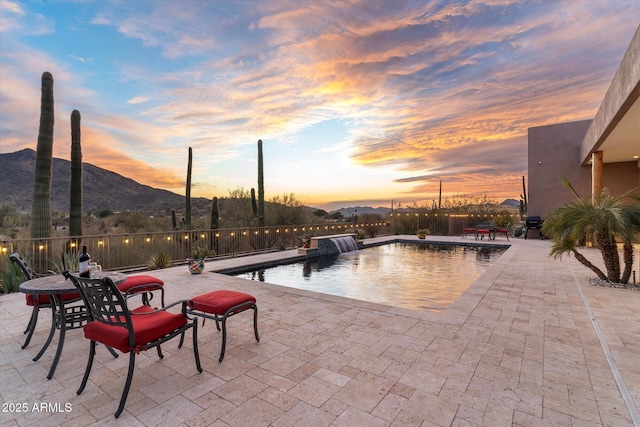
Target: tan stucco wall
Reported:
[(621, 177), (554, 153)]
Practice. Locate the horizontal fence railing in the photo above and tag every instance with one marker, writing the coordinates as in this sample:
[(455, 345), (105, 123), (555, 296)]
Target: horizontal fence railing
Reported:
[(133, 251)]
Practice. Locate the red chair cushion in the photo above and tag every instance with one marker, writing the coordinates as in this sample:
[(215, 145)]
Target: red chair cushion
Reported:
[(146, 328), (44, 299), (218, 302), (139, 280)]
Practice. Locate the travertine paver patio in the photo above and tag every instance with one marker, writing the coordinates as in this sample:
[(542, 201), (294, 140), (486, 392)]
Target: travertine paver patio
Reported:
[(518, 348)]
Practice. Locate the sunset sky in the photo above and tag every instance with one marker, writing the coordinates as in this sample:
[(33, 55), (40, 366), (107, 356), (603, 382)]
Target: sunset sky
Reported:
[(357, 102)]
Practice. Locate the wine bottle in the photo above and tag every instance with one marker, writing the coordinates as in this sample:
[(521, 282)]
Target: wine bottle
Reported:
[(83, 266)]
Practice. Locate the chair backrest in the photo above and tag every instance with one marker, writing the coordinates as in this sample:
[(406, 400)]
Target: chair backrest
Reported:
[(103, 299), (23, 264)]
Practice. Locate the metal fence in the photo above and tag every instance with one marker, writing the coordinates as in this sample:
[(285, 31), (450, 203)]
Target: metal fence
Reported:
[(133, 251)]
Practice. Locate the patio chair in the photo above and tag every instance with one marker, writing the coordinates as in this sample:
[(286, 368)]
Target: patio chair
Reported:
[(113, 324), (38, 301), (143, 284), (503, 230), (483, 229), (533, 223), (469, 230)]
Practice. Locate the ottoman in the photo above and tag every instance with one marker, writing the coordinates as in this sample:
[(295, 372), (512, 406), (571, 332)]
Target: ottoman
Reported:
[(220, 305)]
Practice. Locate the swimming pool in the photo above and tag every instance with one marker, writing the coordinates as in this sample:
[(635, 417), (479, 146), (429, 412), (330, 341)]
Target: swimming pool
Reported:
[(414, 276)]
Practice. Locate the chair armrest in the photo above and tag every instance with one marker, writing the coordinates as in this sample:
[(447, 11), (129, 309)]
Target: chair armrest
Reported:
[(143, 288), (158, 310)]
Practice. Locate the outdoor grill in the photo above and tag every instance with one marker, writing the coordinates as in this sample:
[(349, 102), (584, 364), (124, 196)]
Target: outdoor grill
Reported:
[(533, 223)]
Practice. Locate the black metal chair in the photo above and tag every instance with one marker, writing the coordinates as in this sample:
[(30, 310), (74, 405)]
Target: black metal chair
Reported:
[(130, 331), (37, 302), (533, 223), (502, 230)]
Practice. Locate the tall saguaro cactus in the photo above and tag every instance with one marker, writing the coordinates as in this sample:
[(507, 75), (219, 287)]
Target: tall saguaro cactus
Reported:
[(75, 198), (41, 202), (260, 186), (214, 213), (254, 204), (187, 215)]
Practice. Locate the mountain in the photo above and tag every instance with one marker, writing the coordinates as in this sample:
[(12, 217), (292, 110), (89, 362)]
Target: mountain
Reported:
[(101, 189), (511, 202), (359, 210)]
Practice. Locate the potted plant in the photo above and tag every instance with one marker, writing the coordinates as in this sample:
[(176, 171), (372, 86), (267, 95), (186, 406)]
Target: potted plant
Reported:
[(198, 255), (423, 233), (306, 240)]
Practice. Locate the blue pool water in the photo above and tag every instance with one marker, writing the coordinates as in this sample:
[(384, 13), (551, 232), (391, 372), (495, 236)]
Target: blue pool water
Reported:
[(413, 276)]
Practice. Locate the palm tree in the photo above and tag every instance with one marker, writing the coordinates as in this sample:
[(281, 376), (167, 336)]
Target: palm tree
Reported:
[(632, 218), (604, 219)]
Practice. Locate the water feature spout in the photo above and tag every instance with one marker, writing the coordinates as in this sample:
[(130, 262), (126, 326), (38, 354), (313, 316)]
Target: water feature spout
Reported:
[(345, 243)]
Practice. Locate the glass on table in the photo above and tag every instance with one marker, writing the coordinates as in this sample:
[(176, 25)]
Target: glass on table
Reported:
[(95, 270)]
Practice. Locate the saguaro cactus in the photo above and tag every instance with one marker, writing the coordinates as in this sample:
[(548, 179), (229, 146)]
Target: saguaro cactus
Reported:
[(260, 186), (254, 205), (187, 216), (75, 198), (214, 213), (41, 203), (174, 221)]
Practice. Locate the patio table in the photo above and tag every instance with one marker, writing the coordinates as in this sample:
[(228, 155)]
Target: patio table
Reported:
[(63, 317)]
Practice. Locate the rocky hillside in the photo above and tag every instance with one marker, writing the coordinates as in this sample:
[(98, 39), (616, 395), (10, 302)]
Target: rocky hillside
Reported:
[(102, 189)]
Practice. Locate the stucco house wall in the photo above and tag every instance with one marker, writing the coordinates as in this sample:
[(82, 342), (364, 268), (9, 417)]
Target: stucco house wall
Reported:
[(554, 153)]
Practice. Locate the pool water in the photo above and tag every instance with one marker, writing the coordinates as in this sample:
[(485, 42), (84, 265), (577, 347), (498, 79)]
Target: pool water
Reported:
[(413, 276)]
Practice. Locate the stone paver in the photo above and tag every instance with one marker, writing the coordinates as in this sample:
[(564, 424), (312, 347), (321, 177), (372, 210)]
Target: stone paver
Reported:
[(517, 348)]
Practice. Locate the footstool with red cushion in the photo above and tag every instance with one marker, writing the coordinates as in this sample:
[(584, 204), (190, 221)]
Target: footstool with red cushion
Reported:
[(220, 305)]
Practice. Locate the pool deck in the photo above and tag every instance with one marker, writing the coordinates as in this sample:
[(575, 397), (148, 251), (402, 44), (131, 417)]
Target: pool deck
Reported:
[(530, 343)]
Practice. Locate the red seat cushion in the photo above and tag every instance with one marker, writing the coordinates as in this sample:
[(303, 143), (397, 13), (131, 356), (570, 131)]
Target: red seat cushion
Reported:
[(44, 299), (146, 328), (139, 280), (218, 302)]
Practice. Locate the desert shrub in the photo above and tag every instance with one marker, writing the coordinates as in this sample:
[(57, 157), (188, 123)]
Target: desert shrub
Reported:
[(10, 277), (159, 260)]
